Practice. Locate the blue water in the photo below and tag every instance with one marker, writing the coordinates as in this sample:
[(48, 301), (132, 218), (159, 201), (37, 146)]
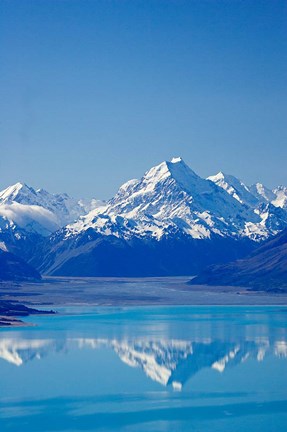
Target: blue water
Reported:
[(146, 369)]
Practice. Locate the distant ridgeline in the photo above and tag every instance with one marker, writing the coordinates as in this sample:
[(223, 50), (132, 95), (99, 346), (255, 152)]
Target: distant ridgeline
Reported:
[(169, 222)]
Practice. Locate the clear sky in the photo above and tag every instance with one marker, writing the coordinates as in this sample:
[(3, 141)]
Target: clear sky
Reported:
[(95, 92)]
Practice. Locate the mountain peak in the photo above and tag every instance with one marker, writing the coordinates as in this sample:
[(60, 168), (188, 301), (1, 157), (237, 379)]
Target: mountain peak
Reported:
[(176, 169), (223, 176), (157, 173), (234, 187), (217, 177), (16, 187), (175, 160), (12, 192)]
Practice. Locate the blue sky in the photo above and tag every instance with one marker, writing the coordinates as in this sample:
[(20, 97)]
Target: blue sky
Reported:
[(93, 93)]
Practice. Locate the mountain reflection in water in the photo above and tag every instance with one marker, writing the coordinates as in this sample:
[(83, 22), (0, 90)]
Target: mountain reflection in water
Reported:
[(168, 362), (139, 369)]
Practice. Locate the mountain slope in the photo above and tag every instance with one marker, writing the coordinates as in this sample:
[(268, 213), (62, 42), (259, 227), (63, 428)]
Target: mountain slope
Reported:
[(265, 268), (92, 254), (13, 268)]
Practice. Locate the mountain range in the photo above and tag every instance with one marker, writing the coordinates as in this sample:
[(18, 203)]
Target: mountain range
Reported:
[(169, 222)]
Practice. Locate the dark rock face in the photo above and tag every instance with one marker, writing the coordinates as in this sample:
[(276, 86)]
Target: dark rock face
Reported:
[(14, 268), (265, 268)]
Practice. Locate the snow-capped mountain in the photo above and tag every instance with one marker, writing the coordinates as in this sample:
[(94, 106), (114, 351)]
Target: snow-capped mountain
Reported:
[(253, 195), (171, 221), (264, 202), (27, 215), (171, 198), (21, 203), (21, 208)]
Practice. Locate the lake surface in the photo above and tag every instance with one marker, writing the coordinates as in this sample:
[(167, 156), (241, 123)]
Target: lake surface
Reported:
[(146, 369)]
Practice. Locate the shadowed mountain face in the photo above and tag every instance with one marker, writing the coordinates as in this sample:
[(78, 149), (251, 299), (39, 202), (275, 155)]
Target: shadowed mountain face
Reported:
[(13, 268), (92, 254), (265, 269)]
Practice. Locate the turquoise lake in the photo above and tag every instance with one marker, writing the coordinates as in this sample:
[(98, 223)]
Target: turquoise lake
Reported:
[(146, 369)]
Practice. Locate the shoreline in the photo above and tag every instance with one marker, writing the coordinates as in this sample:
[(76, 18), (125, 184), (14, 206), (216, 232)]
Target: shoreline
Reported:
[(12, 322), (24, 298), (12, 310)]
